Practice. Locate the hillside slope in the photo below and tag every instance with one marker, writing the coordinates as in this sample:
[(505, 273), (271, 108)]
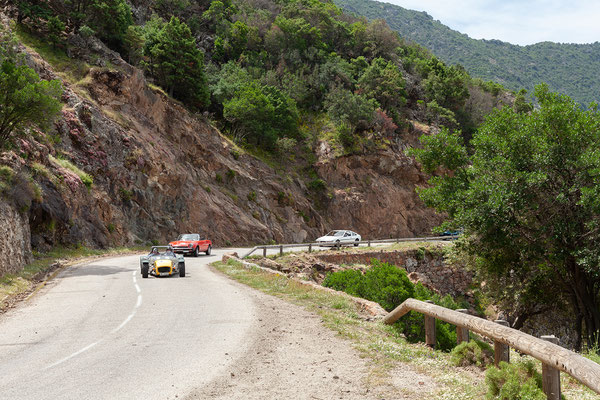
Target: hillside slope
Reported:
[(573, 69), (299, 137), (159, 170)]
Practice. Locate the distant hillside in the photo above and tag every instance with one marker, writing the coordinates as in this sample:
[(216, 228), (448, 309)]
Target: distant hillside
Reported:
[(573, 69)]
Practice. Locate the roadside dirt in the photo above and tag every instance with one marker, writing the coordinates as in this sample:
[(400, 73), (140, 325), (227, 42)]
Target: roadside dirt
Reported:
[(293, 356)]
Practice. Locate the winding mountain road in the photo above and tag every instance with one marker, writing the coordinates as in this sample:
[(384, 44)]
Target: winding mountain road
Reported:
[(101, 331)]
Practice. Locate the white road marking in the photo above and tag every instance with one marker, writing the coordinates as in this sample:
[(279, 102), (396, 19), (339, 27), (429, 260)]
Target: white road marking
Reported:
[(118, 328), (86, 348)]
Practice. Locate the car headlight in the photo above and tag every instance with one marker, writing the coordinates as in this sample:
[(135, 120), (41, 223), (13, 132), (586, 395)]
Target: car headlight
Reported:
[(190, 245)]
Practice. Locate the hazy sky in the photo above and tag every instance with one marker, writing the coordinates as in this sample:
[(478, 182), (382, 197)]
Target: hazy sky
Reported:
[(516, 21)]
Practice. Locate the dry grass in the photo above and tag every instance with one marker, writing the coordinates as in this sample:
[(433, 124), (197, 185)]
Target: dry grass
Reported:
[(392, 358)]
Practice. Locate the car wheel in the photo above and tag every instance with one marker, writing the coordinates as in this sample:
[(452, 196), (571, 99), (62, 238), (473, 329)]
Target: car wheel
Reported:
[(208, 250), (196, 252), (356, 244), (145, 270), (338, 244), (181, 270)]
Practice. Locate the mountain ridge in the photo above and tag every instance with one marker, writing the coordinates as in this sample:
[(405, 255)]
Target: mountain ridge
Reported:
[(572, 69)]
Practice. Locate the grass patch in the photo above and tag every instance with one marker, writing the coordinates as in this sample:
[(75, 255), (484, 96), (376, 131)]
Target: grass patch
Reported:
[(69, 69), (381, 344), (387, 350), (86, 178), (19, 284)]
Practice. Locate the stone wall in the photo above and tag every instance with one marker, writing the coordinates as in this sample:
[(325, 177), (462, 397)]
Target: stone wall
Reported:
[(15, 246)]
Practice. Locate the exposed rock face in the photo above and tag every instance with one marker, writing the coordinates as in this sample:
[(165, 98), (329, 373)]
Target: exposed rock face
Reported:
[(159, 170), (375, 194), (15, 248)]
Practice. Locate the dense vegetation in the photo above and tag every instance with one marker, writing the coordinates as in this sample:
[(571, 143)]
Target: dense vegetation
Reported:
[(25, 99), (572, 69), (263, 66), (527, 194), (389, 286)]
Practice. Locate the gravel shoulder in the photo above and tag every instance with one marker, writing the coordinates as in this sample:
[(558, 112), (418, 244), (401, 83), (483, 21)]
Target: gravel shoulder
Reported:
[(292, 355)]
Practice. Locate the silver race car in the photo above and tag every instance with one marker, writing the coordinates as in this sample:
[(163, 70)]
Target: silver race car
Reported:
[(162, 261)]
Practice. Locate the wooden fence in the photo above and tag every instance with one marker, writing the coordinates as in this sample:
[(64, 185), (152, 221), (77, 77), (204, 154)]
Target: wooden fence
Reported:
[(554, 358)]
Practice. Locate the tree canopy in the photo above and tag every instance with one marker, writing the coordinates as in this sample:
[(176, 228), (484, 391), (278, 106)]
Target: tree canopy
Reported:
[(177, 63), (25, 99), (527, 194)]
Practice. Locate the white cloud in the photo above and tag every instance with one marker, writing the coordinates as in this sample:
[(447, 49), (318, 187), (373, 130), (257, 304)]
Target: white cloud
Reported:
[(516, 21)]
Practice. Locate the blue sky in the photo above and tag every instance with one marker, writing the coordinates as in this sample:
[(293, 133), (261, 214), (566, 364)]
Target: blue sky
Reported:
[(518, 22)]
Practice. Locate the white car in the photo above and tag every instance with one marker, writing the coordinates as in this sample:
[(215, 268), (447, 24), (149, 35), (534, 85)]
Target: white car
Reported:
[(339, 238)]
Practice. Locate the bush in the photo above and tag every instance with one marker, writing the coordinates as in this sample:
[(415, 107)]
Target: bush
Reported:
[(389, 286), (384, 283), (474, 352), (517, 381), (318, 185), (126, 195)]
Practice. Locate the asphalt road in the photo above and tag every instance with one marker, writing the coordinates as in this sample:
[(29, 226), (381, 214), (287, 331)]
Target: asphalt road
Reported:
[(100, 331)]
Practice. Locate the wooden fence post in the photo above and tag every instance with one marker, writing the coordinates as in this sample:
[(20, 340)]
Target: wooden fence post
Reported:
[(501, 351), (309, 247), (264, 251), (369, 243), (281, 250), (462, 334), (550, 375), (429, 329)]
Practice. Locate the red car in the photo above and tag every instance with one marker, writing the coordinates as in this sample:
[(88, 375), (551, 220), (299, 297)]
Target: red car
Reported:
[(191, 243)]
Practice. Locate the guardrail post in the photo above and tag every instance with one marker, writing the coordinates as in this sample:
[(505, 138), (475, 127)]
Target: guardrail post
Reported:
[(550, 375), (501, 351), (309, 247), (369, 243), (429, 329), (264, 252), (462, 334), (281, 250)]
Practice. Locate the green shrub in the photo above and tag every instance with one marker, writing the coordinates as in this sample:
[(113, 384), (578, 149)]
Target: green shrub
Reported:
[(474, 352), (389, 286), (235, 154), (125, 194), (219, 178), (252, 196), (317, 185), (230, 174), (6, 174), (516, 381), (111, 228)]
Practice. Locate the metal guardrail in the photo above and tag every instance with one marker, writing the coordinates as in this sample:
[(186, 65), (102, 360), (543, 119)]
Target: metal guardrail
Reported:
[(554, 358), (339, 244)]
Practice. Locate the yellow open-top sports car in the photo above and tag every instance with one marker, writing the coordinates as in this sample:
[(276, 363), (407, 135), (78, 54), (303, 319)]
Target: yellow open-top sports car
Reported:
[(162, 261)]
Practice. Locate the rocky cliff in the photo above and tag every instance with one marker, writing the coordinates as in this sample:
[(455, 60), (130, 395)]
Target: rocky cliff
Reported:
[(127, 164)]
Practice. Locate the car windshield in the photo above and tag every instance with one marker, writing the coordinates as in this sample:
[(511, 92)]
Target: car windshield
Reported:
[(189, 236), (335, 233)]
